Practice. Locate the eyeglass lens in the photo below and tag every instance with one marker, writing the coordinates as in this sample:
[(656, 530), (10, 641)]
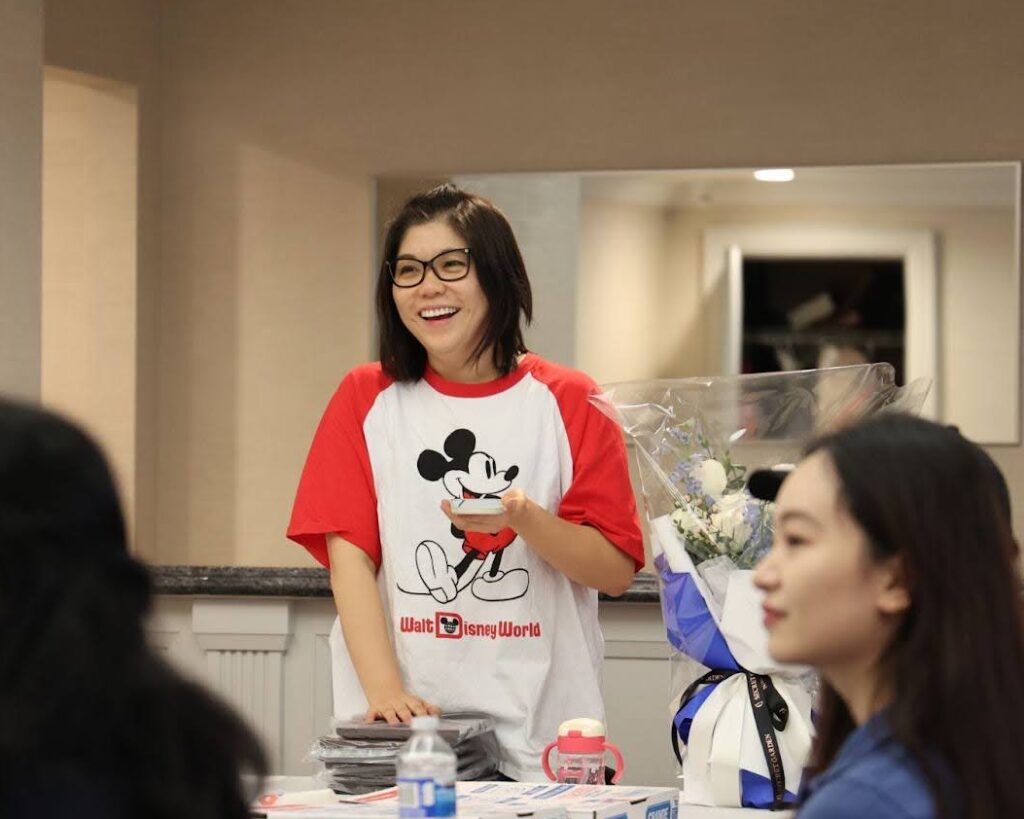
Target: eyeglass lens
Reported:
[(448, 266)]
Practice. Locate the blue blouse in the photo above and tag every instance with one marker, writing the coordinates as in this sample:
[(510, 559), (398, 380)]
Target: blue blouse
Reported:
[(871, 776)]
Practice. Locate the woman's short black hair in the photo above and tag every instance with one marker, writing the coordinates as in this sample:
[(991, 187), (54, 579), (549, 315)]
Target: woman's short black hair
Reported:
[(87, 709), (925, 494), (499, 269)]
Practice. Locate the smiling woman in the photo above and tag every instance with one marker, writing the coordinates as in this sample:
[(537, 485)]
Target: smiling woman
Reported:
[(475, 269), (446, 311), (465, 478)]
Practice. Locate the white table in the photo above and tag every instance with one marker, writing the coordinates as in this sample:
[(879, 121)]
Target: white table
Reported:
[(291, 784)]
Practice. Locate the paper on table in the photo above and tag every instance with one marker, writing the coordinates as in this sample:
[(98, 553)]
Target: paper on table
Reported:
[(320, 796)]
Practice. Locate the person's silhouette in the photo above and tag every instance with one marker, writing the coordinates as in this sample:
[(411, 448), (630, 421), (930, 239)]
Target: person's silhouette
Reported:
[(92, 722)]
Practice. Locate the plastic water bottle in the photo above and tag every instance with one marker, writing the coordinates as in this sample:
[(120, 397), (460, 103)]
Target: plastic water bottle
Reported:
[(426, 773)]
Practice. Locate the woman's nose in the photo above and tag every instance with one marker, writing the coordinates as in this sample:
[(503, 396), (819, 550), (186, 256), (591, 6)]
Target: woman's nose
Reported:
[(765, 574), (432, 283)]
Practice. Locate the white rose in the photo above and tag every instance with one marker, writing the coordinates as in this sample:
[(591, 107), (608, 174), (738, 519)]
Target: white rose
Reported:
[(732, 502), (711, 476), (685, 520), (729, 518)]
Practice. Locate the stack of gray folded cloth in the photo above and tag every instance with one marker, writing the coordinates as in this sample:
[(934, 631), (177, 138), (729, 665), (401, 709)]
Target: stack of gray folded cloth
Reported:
[(360, 757)]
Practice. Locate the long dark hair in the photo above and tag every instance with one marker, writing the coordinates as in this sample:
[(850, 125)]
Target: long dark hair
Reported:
[(922, 491), (81, 693), (499, 269)]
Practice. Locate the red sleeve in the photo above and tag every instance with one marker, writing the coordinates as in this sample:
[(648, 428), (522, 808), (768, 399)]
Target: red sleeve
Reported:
[(336, 492), (601, 494)]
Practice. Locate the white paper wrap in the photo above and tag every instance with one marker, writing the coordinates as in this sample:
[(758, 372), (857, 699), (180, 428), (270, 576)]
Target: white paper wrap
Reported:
[(724, 738)]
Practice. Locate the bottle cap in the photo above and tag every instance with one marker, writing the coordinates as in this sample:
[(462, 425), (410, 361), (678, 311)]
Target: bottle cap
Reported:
[(582, 727), (428, 723)]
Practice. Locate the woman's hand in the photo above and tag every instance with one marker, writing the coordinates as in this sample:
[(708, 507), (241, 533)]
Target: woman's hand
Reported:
[(579, 551), (364, 626), (399, 706), (515, 504)]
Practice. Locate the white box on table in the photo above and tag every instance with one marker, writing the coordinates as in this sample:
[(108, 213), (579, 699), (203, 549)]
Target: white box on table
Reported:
[(579, 801)]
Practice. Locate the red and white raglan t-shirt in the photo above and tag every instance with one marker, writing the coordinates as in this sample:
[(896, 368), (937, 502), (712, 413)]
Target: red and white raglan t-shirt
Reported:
[(479, 622)]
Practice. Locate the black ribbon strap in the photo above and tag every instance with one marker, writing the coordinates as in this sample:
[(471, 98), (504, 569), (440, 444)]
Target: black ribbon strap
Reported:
[(770, 714), (762, 697)]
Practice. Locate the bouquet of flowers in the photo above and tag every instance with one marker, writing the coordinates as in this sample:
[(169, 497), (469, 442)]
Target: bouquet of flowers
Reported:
[(742, 719), (714, 515)]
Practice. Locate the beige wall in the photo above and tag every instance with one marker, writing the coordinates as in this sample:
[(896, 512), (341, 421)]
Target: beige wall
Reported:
[(116, 44), (21, 118), (90, 137), (275, 118), (624, 252)]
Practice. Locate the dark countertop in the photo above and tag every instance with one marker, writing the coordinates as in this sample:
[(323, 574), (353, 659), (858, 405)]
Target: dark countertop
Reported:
[(246, 581)]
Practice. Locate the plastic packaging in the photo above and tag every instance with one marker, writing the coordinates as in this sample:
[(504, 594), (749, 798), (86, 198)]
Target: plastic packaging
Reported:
[(581, 748), (426, 773)]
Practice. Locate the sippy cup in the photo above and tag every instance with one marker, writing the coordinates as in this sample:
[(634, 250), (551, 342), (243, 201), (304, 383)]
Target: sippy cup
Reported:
[(581, 749)]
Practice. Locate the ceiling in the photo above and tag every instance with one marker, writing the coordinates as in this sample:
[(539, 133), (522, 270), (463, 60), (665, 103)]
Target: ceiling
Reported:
[(969, 185)]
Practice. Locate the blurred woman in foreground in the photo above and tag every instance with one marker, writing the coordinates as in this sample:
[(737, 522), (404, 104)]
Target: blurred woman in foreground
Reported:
[(893, 571), (92, 722)]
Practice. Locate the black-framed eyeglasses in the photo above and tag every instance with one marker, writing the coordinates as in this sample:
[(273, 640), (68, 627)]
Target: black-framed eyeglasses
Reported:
[(448, 266)]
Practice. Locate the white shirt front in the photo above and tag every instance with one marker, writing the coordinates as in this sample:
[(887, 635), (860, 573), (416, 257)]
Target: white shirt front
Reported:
[(479, 622)]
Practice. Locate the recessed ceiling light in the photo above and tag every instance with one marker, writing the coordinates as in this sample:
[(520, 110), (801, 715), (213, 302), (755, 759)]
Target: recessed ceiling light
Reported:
[(774, 175)]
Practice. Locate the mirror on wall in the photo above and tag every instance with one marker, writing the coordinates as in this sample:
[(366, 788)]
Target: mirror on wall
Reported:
[(660, 274)]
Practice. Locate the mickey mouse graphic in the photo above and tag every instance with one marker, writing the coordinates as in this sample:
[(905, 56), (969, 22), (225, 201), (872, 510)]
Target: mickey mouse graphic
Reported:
[(466, 472)]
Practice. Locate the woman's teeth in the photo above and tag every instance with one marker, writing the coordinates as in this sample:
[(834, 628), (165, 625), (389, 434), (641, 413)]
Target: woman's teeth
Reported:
[(438, 312)]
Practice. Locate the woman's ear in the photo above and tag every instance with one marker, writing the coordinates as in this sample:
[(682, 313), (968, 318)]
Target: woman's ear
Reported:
[(894, 591)]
